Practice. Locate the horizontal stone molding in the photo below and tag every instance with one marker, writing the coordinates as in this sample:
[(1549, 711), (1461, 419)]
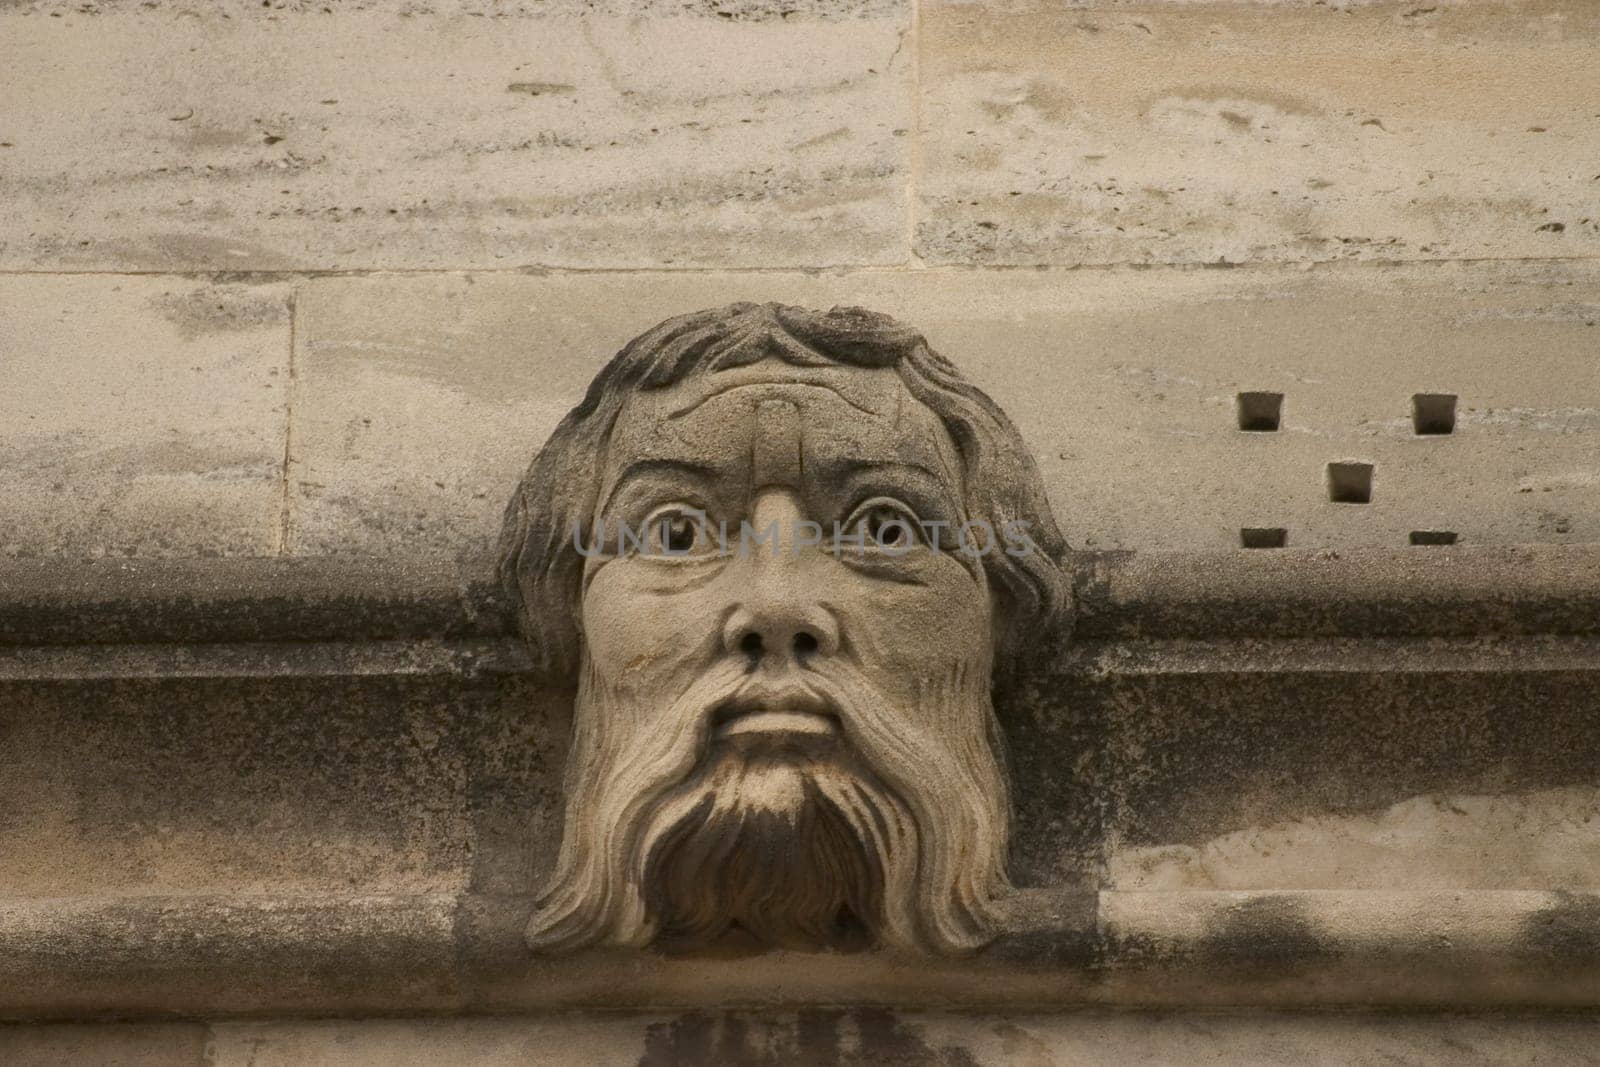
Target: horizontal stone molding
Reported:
[(434, 953), (1464, 590), (828, 1034), (265, 660), (469, 657)]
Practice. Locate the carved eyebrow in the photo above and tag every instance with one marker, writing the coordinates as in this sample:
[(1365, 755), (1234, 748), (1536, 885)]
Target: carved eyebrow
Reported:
[(928, 480), (644, 468), (853, 468)]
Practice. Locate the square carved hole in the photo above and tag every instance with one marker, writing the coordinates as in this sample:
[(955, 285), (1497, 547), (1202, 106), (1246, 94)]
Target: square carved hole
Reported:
[(1433, 414), (1260, 412), (1433, 537), (1350, 483), (1263, 537)]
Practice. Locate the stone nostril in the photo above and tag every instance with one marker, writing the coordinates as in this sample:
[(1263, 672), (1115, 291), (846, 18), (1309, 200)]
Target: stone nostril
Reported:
[(750, 644), (805, 644)]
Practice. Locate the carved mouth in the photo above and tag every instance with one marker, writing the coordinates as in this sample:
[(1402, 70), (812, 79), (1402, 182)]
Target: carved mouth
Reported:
[(775, 710), (736, 723)]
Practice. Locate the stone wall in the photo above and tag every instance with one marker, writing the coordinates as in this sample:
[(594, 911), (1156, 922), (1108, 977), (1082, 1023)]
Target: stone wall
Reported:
[(295, 278)]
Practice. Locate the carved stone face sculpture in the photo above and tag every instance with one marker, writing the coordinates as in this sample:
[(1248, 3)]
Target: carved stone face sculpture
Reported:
[(783, 552)]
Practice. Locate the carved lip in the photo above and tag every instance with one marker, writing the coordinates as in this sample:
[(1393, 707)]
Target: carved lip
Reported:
[(764, 708), (778, 722)]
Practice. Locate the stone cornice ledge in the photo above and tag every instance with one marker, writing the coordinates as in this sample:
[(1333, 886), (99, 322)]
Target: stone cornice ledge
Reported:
[(1516, 611), (1410, 592), (344, 955)]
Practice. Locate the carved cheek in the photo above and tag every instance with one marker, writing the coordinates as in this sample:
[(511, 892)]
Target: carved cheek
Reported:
[(908, 634), (645, 628)]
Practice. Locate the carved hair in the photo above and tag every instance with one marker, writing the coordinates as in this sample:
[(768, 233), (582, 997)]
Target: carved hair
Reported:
[(542, 571)]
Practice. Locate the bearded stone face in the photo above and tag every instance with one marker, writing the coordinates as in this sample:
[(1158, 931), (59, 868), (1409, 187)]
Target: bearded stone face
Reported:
[(782, 734), (782, 598)]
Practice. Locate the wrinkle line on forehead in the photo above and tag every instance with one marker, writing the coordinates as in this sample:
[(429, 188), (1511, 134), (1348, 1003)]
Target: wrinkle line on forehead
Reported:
[(774, 383)]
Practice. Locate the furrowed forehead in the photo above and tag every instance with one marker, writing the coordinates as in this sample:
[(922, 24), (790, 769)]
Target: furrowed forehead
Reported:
[(767, 422)]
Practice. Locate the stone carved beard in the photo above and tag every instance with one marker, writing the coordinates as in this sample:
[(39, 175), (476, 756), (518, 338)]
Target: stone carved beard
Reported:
[(894, 837)]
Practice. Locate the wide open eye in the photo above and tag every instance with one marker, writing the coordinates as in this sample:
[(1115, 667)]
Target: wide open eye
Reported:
[(885, 524), (675, 530)]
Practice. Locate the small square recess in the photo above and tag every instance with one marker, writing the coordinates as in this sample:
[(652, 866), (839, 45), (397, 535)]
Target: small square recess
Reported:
[(1263, 536), (1433, 537), (1433, 414), (1260, 412), (1350, 483)]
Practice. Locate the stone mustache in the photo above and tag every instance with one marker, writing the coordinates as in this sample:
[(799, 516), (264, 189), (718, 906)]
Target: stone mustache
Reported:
[(794, 745)]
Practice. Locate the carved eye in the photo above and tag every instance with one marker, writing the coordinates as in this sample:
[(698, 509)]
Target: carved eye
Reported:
[(885, 523), (676, 530)]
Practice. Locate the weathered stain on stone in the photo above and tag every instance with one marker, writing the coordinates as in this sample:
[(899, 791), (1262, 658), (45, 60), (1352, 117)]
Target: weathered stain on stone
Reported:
[(1539, 839), (1219, 750), (221, 309), (1566, 932), (1267, 933)]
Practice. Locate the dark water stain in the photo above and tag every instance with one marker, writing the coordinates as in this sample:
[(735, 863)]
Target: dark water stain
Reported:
[(222, 309), (1271, 933), (1566, 931)]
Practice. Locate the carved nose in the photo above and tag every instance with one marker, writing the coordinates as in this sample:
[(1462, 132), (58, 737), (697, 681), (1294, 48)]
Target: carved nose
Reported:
[(778, 633)]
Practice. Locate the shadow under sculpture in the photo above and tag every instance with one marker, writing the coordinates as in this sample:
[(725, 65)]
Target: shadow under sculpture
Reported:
[(786, 555)]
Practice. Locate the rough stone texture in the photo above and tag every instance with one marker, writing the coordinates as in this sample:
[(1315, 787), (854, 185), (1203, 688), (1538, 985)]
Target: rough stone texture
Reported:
[(338, 137), (141, 416), (1199, 132), (421, 399), (128, 1045), (375, 784), (1185, 752), (144, 956)]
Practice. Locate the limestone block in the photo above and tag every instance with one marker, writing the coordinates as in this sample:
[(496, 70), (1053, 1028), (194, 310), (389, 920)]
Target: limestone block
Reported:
[(1112, 132), (187, 136), (422, 398), (141, 415)]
